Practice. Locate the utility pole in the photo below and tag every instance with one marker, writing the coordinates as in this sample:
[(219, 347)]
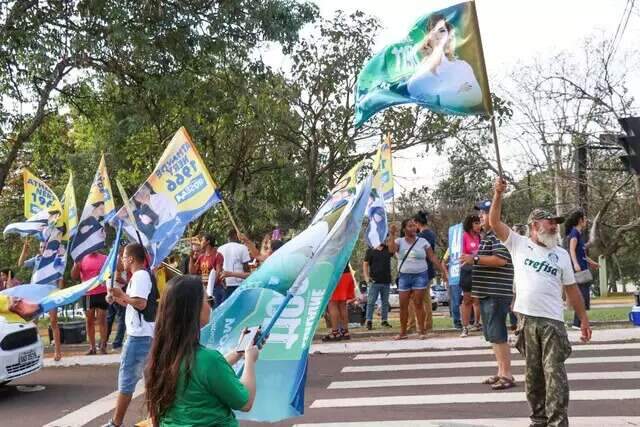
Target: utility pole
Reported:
[(581, 171)]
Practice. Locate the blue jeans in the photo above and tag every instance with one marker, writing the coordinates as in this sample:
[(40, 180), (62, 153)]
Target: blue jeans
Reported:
[(585, 290), (455, 298), (374, 290), (219, 295), (132, 361), (412, 281), (116, 311)]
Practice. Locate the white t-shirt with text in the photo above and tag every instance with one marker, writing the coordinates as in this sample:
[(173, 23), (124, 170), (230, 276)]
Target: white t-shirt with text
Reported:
[(540, 273), (139, 287), (235, 254)]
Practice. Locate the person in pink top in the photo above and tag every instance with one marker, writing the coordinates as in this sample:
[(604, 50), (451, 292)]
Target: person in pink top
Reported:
[(95, 302), (470, 246)]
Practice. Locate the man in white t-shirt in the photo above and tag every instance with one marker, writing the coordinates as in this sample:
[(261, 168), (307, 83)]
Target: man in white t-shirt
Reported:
[(139, 330), (542, 271), (236, 262)]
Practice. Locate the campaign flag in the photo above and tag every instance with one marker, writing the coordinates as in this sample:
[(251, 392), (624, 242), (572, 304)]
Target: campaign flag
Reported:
[(38, 196), (338, 196), (50, 297), (98, 209), (455, 250), (41, 208), (439, 65), (178, 191), (377, 228), (303, 273), (386, 170), (69, 210)]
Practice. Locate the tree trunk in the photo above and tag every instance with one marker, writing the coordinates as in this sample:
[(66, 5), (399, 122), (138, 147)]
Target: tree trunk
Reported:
[(557, 179)]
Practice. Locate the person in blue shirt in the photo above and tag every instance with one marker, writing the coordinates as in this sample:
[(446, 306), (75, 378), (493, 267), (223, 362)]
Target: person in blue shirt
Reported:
[(575, 226)]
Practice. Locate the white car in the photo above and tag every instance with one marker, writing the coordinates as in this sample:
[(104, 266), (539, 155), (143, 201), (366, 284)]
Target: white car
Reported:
[(21, 350)]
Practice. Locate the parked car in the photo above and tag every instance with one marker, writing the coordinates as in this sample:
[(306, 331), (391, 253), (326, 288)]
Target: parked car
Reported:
[(21, 349), (440, 295)]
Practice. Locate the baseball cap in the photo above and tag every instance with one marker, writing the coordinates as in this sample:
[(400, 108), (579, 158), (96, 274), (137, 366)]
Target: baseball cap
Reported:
[(484, 205), (538, 214)]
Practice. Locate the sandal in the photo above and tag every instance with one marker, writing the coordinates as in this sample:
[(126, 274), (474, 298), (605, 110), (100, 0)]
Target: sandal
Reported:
[(91, 352), (504, 383), (400, 337), (345, 336), (332, 336), (491, 380), (57, 357)]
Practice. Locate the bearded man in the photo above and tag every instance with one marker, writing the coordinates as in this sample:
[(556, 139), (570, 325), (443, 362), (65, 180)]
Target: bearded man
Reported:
[(542, 272)]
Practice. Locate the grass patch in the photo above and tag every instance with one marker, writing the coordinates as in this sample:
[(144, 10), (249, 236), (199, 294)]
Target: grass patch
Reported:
[(603, 314)]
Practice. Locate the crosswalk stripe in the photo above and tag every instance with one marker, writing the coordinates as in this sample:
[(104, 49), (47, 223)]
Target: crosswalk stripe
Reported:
[(481, 422), (482, 352), (408, 382), (352, 402), (482, 364)]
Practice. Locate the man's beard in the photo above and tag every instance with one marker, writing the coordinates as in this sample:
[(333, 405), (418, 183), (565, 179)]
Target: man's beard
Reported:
[(550, 240)]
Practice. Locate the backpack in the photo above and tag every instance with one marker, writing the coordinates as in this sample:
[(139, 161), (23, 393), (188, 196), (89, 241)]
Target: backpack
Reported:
[(149, 312)]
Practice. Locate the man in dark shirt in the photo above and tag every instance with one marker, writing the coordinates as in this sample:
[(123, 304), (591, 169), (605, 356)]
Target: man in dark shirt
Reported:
[(376, 269)]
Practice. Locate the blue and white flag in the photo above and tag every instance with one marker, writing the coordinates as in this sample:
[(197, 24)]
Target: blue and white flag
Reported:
[(34, 226), (455, 250), (377, 228)]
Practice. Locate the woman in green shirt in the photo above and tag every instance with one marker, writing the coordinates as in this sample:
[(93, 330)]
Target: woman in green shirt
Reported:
[(187, 384)]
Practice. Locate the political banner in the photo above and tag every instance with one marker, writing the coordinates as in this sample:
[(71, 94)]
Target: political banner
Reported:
[(377, 227), (69, 210), (386, 170), (38, 196), (339, 194), (178, 191), (303, 272), (439, 65), (98, 209), (455, 251), (50, 297)]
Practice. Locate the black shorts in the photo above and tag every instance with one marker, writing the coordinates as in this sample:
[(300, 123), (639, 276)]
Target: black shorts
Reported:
[(466, 274), (95, 301)]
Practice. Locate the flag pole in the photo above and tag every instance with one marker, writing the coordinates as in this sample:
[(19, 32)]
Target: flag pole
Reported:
[(233, 222), (486, 82)]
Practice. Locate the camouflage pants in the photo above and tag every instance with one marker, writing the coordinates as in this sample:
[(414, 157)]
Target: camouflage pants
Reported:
[(545, 346)]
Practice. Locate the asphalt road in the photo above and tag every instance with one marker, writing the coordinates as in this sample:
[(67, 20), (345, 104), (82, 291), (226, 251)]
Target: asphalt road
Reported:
[(348, 387)]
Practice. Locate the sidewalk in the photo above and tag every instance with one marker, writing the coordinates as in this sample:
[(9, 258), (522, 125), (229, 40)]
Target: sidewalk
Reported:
[(432, 343)]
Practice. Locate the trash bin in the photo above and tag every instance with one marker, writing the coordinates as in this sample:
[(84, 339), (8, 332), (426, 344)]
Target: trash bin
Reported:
[(71, 332)]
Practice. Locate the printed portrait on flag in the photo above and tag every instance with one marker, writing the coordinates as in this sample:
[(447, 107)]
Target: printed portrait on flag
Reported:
[(179, 190), (438, 65)]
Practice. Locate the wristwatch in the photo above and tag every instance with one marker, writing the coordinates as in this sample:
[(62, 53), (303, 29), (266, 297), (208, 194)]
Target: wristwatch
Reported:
[(476, 259)]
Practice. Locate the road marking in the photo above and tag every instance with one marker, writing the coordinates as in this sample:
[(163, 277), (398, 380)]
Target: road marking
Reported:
[(442, 399), (482, 352), (408, 382), (482, 364), (93, 410), (482, 422)]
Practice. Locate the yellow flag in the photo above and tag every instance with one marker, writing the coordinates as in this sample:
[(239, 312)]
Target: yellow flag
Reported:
[(69, 209), (38, 196), (100, 192)]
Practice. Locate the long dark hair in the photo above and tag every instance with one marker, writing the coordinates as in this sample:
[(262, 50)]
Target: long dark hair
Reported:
[(572, 220), (467, 224), (175, 342), (421, 218)]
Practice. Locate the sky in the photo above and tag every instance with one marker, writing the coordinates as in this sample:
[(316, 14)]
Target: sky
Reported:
[(513, 32)]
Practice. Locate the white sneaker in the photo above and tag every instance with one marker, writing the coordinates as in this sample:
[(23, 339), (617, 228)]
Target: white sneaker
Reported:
[(465, 332), (575, 327)]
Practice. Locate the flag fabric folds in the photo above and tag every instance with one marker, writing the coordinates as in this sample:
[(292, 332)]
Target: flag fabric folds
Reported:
[(439, 65), (69, 210), (42, 209), (385, 176), (455, 250), (377, 228), (98, 209), (303, 273), (178, 191)]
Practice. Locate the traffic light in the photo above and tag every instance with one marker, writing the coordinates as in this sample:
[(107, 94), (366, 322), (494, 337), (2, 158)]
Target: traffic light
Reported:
[(631, 144)]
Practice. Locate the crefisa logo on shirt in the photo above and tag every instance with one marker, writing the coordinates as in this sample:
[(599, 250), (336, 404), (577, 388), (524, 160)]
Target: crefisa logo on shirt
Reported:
[(544, 266)]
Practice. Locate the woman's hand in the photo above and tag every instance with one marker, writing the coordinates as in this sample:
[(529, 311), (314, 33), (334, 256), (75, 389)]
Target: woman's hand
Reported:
[(251, 353)]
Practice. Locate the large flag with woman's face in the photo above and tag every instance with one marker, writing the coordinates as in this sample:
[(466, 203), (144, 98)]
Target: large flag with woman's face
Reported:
[(98, 208), (179, 190), (439, 65)]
